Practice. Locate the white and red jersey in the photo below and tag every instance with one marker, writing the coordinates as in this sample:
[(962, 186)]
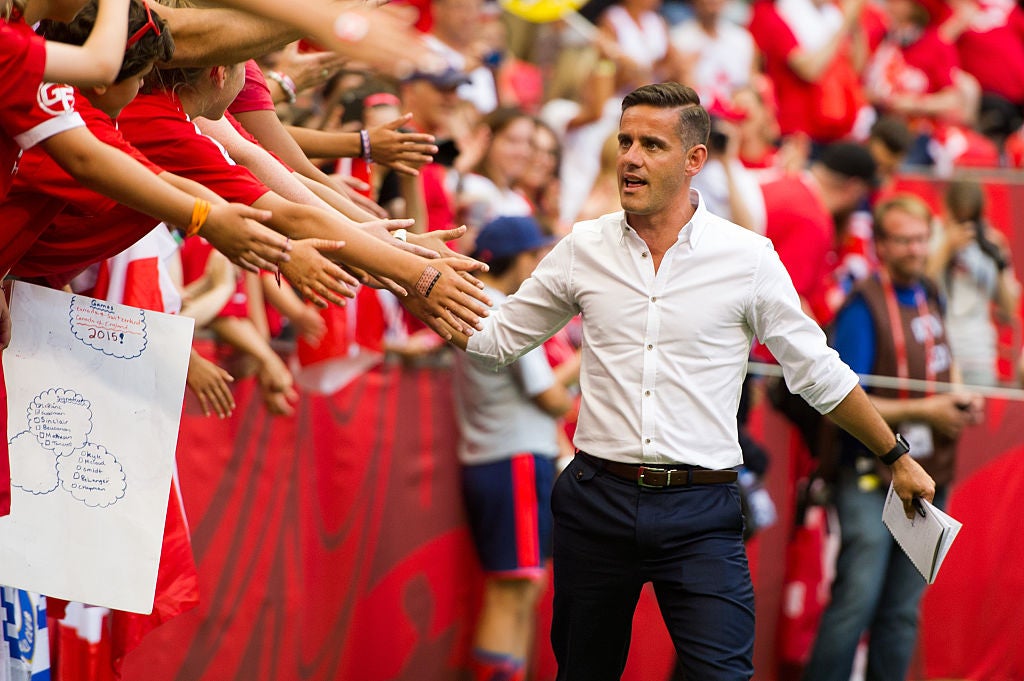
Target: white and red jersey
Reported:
[(30, 110), (53, 227)]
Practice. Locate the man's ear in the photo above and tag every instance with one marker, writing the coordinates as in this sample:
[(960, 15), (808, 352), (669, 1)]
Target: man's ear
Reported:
[(695, 159), (99, 90)]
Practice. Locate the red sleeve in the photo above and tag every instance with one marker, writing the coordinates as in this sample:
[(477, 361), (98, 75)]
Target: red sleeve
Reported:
[(158, 128), (30, 110), (41, 174), (255, 95), (770, 32)]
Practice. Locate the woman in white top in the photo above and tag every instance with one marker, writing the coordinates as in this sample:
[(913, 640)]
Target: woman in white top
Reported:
[(972, 262), (645, 53), (723, 53), (489, 191)]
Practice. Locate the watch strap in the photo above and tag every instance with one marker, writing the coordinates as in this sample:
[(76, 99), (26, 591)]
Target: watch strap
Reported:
[(899, 449)]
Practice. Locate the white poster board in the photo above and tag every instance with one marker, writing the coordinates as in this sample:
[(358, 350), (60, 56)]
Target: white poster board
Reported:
[(94, 393)]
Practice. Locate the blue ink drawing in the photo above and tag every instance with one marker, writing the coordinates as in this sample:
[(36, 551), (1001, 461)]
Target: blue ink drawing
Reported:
[(55, 450), (33, 468), (60, 419), (93, 476)]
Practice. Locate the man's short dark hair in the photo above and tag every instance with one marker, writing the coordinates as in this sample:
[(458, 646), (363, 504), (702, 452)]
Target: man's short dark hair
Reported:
[(893, 133), (694, 123), (149, 49)]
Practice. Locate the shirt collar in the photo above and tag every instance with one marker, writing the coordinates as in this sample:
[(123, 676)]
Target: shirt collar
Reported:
[(691, 231)]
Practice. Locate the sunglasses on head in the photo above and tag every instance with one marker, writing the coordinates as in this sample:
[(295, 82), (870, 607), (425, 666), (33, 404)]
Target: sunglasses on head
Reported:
[(150, 24)]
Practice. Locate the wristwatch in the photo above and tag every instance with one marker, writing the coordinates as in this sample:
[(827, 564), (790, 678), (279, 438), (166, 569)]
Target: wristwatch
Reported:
[(899, 449)]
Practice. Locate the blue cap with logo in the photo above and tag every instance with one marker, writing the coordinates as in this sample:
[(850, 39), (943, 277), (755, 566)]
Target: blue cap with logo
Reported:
[(508, 236)]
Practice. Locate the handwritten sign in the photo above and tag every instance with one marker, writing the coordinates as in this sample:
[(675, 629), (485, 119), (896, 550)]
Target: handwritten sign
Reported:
[(60, 420), (108, 328), (93, 405)]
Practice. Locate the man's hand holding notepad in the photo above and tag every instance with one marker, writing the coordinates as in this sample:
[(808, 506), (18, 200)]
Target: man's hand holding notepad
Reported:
[(925, 538)]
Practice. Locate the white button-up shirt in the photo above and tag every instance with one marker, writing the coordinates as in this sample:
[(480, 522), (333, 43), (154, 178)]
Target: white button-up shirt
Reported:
[(664, 354)]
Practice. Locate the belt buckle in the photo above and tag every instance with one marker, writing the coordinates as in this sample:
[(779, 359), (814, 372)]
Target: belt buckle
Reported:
[(642, 482)]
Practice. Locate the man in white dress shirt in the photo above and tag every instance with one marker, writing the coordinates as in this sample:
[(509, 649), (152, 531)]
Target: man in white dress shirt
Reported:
[(671, 298)]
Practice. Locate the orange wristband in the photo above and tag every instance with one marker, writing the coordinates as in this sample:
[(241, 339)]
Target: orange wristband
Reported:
[(200, 211)]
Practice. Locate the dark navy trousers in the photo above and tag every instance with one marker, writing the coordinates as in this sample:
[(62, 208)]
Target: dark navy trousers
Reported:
[(611, 537)]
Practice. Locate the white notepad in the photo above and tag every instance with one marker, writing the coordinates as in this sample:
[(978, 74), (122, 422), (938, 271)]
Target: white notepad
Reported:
[(925, 540)]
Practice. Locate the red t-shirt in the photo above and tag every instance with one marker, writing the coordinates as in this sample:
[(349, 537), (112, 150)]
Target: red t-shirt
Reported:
[(923, 67), (825, 110), (158, 128), (255, 95), (802, 231), (30, 110), (933, 59), (61, 226), (992, 50)]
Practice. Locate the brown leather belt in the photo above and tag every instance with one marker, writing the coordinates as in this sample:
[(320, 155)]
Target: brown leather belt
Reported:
[(659, 477)]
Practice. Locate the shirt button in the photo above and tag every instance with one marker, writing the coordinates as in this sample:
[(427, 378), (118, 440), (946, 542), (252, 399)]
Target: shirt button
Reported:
[(654, 299), (647, 393), (644, 254), (579, 475), (650, 347), (648, 440)]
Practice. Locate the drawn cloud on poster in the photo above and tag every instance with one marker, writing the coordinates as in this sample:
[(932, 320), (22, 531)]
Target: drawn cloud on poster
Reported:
[(92, 475), (114, 330), (55, 450), (60, 419), (33, 469)]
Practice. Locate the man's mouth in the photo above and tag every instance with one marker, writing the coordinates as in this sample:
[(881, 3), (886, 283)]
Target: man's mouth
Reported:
[(630, 182)]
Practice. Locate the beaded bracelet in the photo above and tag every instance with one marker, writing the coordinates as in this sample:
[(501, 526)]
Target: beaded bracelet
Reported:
[(364, 146), (200, 211)]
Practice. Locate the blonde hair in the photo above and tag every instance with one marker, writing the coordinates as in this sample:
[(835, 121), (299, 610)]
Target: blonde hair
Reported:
[(910, 204), (174, 78), (7, 6)]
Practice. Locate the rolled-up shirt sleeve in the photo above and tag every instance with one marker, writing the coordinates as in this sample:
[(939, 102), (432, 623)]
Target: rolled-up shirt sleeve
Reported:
[(811, 368), (541, 306)]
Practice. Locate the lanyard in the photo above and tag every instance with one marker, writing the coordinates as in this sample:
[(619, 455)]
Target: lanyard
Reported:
[(898, 337)]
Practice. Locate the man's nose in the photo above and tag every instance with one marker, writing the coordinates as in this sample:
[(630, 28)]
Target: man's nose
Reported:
[(631, 156)]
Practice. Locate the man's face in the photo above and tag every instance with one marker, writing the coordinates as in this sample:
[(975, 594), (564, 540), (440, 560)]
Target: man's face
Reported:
[(431, 106), (903, 247), (888, 161), (653, 163)]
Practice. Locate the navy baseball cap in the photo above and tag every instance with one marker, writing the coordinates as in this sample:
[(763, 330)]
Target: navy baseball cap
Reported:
[(448, 79), (508, 236)]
